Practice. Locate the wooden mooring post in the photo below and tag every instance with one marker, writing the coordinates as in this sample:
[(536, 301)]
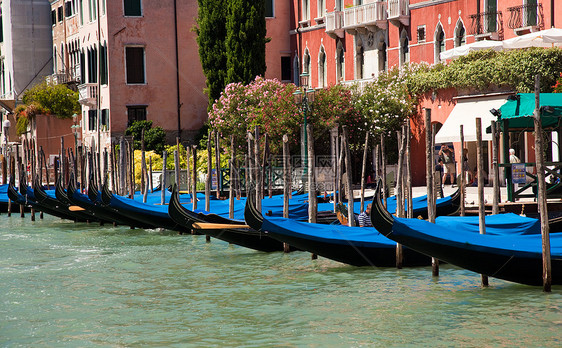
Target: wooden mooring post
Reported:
[(286, 182), (481, 203), (462, 183), (495, 170), (430, 181)]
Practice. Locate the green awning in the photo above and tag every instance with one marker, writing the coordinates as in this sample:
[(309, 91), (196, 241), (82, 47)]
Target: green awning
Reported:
[(518, 110)]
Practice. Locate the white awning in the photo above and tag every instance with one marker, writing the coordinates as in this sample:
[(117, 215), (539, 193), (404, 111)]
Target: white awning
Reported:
[(465, 112)]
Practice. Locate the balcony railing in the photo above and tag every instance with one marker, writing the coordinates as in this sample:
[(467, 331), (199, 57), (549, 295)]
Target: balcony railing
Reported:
[(524, 16), (487, 24), (65, 77), (399, 11), (365, 16), (334, 24), (88, 94)]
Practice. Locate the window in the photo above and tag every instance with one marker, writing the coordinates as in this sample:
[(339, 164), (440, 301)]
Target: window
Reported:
[(92, 65), (133, 8), (383, 62), (92, 120), (286, 68), (530, 15), (105, 118), (460, 34), (59, 13), (134, 64), (68, 9), (296, 69), (421, 33), (135, 113), (340, 62), (306, 65), (54, 17), (55, 59), (492, 9), (305, 10), (339, 5), (359, 60), (322, 78), (404, 49), (439, 42), (81, 9), (1, 29), (103, 65), (269, 8), (321, 8)]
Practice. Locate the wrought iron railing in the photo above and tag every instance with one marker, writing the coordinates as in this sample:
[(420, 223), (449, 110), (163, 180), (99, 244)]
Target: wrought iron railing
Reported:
[(487, 23), (529, 15)]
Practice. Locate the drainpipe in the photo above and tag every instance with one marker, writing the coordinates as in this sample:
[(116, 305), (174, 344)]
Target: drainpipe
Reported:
[(177, 69), (552, 13)]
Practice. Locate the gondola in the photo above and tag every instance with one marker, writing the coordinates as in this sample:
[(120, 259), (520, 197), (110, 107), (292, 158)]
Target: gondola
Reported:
[(62, 197), (48, 203), (153, 215), (18, 198), (357, 246), (512, 257), (243, 236)]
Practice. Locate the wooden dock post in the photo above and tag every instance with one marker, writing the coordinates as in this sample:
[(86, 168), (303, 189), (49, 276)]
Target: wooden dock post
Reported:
[(286, 182), (209, 172), (383, 171), (218, 163), (312, 200), (363, 171), (495, 171), (541, 200), (410, 211), (429, 173), (481, 203), (232, 178), (349, 189), (462, 184), (400, 211), (194, 179), (257, 176), (163, 178)]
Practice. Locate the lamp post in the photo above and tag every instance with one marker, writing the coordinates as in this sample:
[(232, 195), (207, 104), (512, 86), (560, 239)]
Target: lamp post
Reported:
[(304, 97)]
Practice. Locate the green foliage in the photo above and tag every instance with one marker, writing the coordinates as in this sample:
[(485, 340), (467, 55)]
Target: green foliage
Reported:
[(59, 100), (245, 40), (483, 70), (154, 138), (211, 35)]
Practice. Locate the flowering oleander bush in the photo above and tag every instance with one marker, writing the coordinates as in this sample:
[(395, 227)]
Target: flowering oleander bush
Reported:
[(557, 88), (265, 103)]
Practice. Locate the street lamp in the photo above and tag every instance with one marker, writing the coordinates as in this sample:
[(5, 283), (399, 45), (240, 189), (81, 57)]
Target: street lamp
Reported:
[(304, 97)]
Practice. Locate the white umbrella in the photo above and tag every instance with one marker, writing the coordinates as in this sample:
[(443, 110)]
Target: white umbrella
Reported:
[(544, 38), (475, 46)]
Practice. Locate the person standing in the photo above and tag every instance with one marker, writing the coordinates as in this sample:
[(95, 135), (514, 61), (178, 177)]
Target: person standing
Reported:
[(448, 163), (512, 157), (365, 218)]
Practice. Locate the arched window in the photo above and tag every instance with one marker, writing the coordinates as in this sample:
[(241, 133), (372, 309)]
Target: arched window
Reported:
[(404, 48), (322, 71), (359, 60), (296, 69), (340, 63), (55, 67), (383, 63), (460, 34), (439, 42), (306, 62)]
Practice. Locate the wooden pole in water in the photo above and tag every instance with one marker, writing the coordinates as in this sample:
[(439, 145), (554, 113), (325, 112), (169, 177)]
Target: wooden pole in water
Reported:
[(4, 171), (339, 187), (462, 184), (410, 211), (209, 173), (312, 201), (177, 168), (163, 178), (349, 193), (481, 203), (218, 163), (150, 174), (286, 183), (363, 171), (194, 179), (541, 200), (495, 170), (143, 165), (188, 170), (232, 178), (249, 164), (334, 136), (259, 182), (264, 162), (430, 180), (122, 166), (383, 170)]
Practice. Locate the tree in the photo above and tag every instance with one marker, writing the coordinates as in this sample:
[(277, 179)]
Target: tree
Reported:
[(154, 138), (245, 40), (211, 36)]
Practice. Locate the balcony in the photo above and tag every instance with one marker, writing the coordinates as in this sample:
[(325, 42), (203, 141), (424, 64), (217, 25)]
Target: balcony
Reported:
[(88, 94), (365, 18), (487, 25), (399, 12), (67, 77), (334, 24), (524, 19)]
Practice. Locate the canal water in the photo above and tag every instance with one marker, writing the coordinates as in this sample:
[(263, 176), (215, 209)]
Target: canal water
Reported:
[(67, 284)]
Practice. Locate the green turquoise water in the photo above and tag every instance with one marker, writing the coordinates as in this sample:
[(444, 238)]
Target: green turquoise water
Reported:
[(80, 285)]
